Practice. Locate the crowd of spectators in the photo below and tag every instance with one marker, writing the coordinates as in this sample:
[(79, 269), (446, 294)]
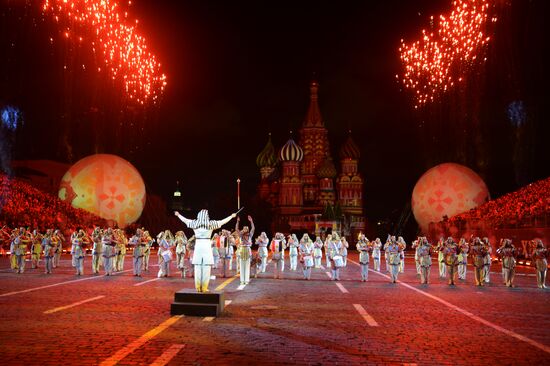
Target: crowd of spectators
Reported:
[(23, 205), (528, 202)]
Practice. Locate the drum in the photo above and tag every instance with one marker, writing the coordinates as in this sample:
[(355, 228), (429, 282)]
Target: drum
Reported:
[(338, 261), (541, 264), (317, 252), (364, 257), (244, 253), (222, 252), (478, 261), (395, 259), (308, 261), (276, 256), (167, 255), (451, 260)]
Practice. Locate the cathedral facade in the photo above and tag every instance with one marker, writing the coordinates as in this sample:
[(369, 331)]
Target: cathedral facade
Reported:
[(302, 185)]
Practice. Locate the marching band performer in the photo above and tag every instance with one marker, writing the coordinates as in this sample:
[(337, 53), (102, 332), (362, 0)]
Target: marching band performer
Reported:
[(293, 244), (147, 250), (231, 245), (190, 254), (425, 259), (262, 242), (21, 243), (74, 238), (202, 255), (97, 249), (540, 255), (345, 246), (166, 242), (402, 245), (138, 244), (335, 247), (108, 243), (121, 250), (394, 258), (487, 259), (306, 255), (462, 259), (181, 250), (478, 254), (59, 239), (441, 258), (79, 243), (376, 246), (364, 247), (318, 251), (36, 249), (327, 250), (48, 251), (245, 250), (451, 259), (278, 245), (13, 247), (508, 254), (416, 246), (216, 249), (387, 253)]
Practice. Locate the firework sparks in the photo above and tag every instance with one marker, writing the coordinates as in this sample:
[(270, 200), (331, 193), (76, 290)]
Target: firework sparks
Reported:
[(110, 33), (438, 61)]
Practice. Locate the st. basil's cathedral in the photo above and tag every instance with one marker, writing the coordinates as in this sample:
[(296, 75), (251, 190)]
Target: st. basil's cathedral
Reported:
[(303, 186)]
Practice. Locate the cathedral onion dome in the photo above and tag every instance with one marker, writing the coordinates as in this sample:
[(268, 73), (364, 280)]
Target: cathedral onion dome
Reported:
[(350, 150), (267, 158), (291, 152), (327, 169)]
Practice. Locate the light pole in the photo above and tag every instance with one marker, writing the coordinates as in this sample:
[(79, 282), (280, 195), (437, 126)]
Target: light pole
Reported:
[(238, 193)]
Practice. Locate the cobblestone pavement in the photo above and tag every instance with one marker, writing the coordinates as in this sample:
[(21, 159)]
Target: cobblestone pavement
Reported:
[(63, 319)]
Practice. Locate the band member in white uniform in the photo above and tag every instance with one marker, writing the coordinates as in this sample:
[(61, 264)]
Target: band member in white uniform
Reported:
[(278, 245), (262, 242), (364, 247), (108, 244), (345, 246), (237, 253), (97, 249), (508, 254), (21, 245), (478, 255), (306, 255), (293, 244), (78, 251), (335, 247), (376, 253), (202, 256), (245, 250), (318, 252), (462, 259), (402, 245), (180, 241), (328, 239), (138, 244), (487, 260), (166, 242), (120, 250), (147, 250), (394, 258), (386, 252), (540, 255), (441, 258), (424, 259), (48, 249), (450, 252), (416, 246), (36, 249)]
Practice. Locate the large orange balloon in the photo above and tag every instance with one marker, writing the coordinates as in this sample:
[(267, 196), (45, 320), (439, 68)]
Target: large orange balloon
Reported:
[(105, 185), (446, 190)]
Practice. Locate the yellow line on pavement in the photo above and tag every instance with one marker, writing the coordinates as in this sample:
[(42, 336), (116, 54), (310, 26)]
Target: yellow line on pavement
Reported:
[(72, 305), (225, 283), (168, 355), (125, 351)]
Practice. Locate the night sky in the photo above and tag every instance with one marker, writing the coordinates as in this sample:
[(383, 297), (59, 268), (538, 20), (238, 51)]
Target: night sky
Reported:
[(239, 70)]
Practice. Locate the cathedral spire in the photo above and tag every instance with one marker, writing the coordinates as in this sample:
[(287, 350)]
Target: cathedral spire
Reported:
[(313, 116)]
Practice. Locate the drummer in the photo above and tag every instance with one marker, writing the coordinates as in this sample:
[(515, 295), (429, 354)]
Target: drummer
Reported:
[(306, 255), (335, 248), (278, 245), (166, 242)]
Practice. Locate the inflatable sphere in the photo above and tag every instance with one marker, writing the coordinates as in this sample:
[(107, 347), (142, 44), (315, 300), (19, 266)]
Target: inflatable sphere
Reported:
[(446, 190), (105, 185)]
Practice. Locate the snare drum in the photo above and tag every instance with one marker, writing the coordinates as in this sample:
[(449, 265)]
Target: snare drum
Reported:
[(338, 261), (308, 261), (167, 256), (276, 256)]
